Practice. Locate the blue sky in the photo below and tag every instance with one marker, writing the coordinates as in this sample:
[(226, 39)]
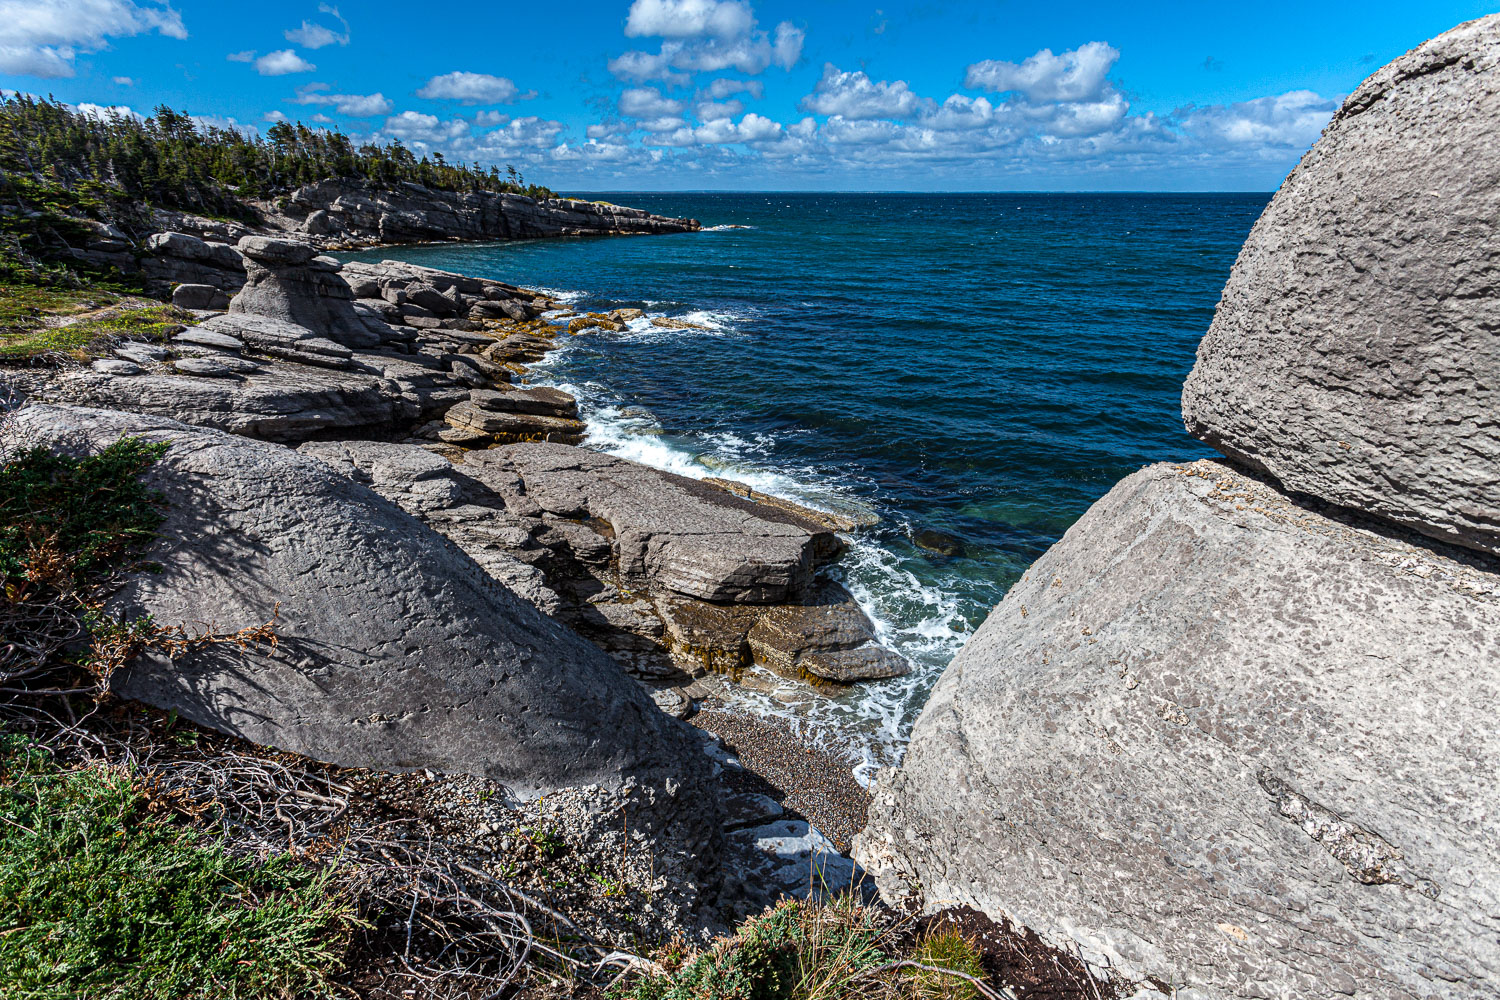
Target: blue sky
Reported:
[(753, 94)]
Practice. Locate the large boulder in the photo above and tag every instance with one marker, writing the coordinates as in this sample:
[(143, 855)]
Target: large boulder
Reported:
[(1355, 354), (394, 651), (277, 403), (1226, 742), (285, 281), (668, 532)]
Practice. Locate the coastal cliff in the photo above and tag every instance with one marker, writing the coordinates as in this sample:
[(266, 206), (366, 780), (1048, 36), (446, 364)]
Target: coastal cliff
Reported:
[(1232, 736), (351, 212)]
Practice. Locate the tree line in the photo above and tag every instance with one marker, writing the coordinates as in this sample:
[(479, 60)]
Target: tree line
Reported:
[(169, 160)]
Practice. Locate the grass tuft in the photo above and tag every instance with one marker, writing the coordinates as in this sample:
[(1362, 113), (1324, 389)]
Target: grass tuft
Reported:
[(101, 899), (40, 322), (945, 949)]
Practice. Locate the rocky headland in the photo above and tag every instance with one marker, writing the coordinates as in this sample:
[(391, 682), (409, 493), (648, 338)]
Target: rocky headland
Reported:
[(1233, 735)]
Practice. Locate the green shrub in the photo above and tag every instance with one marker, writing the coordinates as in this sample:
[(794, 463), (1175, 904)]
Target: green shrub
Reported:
[(945, 949), (91, 513), (101, 900), (794, 951)]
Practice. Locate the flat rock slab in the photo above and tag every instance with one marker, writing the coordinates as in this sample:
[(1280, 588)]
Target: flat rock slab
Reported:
[(280, 339), (540, 400), (282, 403), (511, 427), (1223, 740), (1354, 354), (395, 650), (673, 533)]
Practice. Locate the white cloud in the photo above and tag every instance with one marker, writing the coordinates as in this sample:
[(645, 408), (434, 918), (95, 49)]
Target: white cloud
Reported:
[(704, 36), (689, 19), (225, 124), (488, 119), (647, 102), (1078, 75), (353, 105), (123, 81), (274, 116), (646, 66), (474, 88), (282, 63), (724, 87), (607, 130), (409, 125), (959, 112), (246, 56), (1293, 120), (708, 111), (855, 96), (104, 114), (314, 36), (751, 129), (43, 37)]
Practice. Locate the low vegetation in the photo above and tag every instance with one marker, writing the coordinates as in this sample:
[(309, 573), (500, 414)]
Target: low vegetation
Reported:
[(101, 898), (41, 323), (835, 950)]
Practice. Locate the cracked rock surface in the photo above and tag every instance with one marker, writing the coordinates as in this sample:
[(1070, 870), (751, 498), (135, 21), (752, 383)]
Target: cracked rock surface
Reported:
[(1224, 740), (1355, 355)]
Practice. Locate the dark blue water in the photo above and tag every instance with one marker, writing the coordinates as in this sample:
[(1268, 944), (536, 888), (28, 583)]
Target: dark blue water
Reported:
[(985, 366)]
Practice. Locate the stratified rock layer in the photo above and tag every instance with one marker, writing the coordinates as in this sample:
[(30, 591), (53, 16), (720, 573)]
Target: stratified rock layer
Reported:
[(1218, 739), (1355, 355), (395, 650), (409, 213)]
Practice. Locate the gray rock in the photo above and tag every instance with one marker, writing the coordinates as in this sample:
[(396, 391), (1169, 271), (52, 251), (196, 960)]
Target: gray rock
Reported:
[(510, 427), (202, 337), (284, 282), (409, 213), (141, 353), (194, 296), (1223, 740), (1353, 356), (829, 637), (206, 367), (283, 403), (791, 857), (670, 532), (280, 339), (114, 366), (541, 400), (395, 651)]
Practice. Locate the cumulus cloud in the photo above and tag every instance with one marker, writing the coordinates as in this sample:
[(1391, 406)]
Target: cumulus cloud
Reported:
[(647, 102), (723, 87), (103, 113), (315, 36), (410, 125), (1079, 75), (474, 88), (855, 96), (703, 36), (43, 37), (282, 63), (1290, 121), (352, 105), (689, 19)]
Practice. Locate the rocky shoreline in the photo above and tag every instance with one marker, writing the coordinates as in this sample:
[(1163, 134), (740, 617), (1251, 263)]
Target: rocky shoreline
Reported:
[(388, 405)]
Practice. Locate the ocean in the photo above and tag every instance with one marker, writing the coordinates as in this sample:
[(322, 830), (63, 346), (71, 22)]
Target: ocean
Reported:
[(975, 370)]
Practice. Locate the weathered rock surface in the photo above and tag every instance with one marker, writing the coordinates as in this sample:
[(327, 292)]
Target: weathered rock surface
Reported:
[(1355, 355), (284, 403), (183, 259), (1222, 740), (285, 281), (671, 532), (395, 651), (353, 211)]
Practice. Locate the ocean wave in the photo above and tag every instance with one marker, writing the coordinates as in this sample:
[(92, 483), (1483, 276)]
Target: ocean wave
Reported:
[(869, 725), (724, 228)]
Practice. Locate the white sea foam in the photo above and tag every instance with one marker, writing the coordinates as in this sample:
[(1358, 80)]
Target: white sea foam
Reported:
[(870, 724), (724, 228)]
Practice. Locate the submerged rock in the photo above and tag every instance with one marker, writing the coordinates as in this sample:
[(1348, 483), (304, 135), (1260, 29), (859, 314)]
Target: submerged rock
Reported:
[(1224, 741), (1354, 355)]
